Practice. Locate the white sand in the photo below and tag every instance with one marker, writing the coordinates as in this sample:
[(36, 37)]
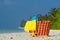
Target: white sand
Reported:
[(53, 35)]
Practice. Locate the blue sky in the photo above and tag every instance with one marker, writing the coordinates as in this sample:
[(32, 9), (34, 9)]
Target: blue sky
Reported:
[(13, 11)]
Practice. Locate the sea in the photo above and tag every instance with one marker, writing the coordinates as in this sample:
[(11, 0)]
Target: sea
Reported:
[(20, 29)]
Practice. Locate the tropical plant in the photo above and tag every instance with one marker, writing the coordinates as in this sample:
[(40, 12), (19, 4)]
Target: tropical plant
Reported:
[(22, 23), (57, 20)]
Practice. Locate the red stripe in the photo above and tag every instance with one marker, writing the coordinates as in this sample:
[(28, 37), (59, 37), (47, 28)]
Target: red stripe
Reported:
[(42, 28)]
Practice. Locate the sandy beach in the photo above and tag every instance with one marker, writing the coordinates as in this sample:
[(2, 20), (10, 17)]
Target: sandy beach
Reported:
[(53, 35)]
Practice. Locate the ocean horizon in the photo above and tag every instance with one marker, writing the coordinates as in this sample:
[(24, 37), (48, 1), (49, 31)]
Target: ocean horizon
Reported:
[(11, 30)]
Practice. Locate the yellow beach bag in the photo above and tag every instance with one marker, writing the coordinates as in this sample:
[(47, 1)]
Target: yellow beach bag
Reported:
[(30, 25)]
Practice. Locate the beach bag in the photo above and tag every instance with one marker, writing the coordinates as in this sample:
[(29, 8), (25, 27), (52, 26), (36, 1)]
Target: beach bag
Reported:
[(30, 25), (43, 28)]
